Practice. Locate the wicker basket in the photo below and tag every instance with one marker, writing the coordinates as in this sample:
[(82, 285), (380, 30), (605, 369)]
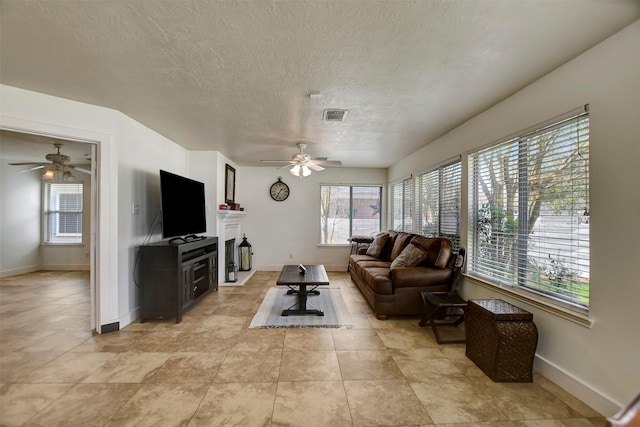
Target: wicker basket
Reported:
[(501, 340)]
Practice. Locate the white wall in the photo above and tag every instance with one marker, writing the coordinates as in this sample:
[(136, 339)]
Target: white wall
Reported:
[(203, 167), (289, 232), (599, 364), (142, 153), (20, 203)]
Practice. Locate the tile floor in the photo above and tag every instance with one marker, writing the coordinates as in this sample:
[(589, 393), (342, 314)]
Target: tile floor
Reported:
[(211, 370)]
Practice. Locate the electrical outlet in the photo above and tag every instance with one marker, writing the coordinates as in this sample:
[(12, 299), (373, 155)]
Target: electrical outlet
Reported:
[(135, 209), (290, 256)]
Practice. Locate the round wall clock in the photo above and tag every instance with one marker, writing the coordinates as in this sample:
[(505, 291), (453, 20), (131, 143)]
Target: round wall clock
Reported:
[(279, 190)]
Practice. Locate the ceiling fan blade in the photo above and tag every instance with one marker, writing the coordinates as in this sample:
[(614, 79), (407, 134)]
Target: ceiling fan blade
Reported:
[(328, 162), (31, 169), (28, 163), (314, 167), (80, 169), (276, 161)]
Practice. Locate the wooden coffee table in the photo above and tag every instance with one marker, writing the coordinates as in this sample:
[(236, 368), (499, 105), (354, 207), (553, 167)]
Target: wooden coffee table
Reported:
[(297, 283)]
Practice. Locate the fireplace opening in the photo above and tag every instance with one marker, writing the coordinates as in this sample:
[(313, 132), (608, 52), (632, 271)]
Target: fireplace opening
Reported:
[(231, 268)]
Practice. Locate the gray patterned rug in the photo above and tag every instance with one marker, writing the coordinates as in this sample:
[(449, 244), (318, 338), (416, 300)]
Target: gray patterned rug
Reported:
[(336, 314)]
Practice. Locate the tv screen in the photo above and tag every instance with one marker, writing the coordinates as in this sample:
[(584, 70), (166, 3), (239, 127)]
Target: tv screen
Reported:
[(183, 206)]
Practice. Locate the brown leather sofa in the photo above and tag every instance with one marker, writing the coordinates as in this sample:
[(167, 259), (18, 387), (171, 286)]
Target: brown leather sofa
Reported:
[(389, 285)]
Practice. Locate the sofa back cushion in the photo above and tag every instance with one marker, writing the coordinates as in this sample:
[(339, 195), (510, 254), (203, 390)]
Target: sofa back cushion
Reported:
[(402, 240), (438, 251), (388, 246), (411, 256)]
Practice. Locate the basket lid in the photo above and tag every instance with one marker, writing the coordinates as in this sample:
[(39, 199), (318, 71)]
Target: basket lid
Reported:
[(501, 310)]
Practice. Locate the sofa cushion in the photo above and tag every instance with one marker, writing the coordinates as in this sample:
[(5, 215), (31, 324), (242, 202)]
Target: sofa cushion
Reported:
[(411, 256), (358, 258), (402, 241), (376, 247), (375, 263)]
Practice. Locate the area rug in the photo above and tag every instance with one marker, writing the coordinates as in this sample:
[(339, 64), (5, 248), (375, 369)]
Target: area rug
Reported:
[(336, 314)]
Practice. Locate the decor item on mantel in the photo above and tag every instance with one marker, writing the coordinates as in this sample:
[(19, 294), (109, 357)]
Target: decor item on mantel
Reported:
[(229, 185), (244, 254)]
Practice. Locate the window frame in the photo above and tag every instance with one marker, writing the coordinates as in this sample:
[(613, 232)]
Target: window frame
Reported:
[(350, 210), (47, 213), (545, 298)]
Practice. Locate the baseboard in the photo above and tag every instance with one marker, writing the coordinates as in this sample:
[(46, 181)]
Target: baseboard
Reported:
[(596, 400), (19, 271), (129, 317), (66, 267)]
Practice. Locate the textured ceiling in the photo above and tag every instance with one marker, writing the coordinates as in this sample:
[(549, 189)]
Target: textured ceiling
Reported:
[(235, 76), (22, 147)]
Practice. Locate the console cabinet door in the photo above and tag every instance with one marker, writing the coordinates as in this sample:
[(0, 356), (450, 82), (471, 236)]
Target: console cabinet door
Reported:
[(187, 285)]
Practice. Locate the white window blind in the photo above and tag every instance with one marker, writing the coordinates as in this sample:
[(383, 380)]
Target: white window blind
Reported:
[(62, 213), (529, 225), (440, 202), (349, 210), (402, 200)]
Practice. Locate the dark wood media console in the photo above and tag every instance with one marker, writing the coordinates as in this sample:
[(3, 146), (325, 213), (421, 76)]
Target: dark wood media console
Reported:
[(174, 276)]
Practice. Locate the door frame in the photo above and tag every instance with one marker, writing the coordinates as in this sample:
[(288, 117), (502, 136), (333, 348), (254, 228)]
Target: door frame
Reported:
[(100, 257)]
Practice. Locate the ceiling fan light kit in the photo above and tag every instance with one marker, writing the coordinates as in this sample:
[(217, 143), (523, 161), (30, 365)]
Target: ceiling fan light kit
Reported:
[(58, 174), (302, 163), (49, 174), (300, 171)]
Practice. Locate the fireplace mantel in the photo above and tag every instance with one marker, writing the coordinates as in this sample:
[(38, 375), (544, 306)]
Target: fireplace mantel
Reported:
[(231, 215)]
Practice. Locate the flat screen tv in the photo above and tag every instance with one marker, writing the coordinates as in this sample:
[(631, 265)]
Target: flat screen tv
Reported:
[(183, 206)]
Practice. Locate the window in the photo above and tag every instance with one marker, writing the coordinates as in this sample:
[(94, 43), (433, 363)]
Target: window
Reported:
[(349, 210), (440, 195), (529, 219), (62, 212), (402, 205)]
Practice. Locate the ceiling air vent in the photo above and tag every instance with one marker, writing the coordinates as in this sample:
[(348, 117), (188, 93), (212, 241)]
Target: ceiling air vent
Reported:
[(335, 115)]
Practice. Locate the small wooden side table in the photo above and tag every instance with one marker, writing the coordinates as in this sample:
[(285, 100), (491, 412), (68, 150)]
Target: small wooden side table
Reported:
[(358, 242), (501, 340)]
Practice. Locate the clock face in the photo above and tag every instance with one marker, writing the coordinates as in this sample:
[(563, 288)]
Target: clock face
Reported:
[(279, 191)]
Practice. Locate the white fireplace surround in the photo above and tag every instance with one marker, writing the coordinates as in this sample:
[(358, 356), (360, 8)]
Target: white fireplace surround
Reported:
[(230, 227)]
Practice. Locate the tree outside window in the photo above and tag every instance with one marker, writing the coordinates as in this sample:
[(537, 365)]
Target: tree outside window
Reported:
[(348, 210)]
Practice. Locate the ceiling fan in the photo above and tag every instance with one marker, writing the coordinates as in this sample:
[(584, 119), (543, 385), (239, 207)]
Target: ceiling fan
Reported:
[(303, 164), (57, 167)]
